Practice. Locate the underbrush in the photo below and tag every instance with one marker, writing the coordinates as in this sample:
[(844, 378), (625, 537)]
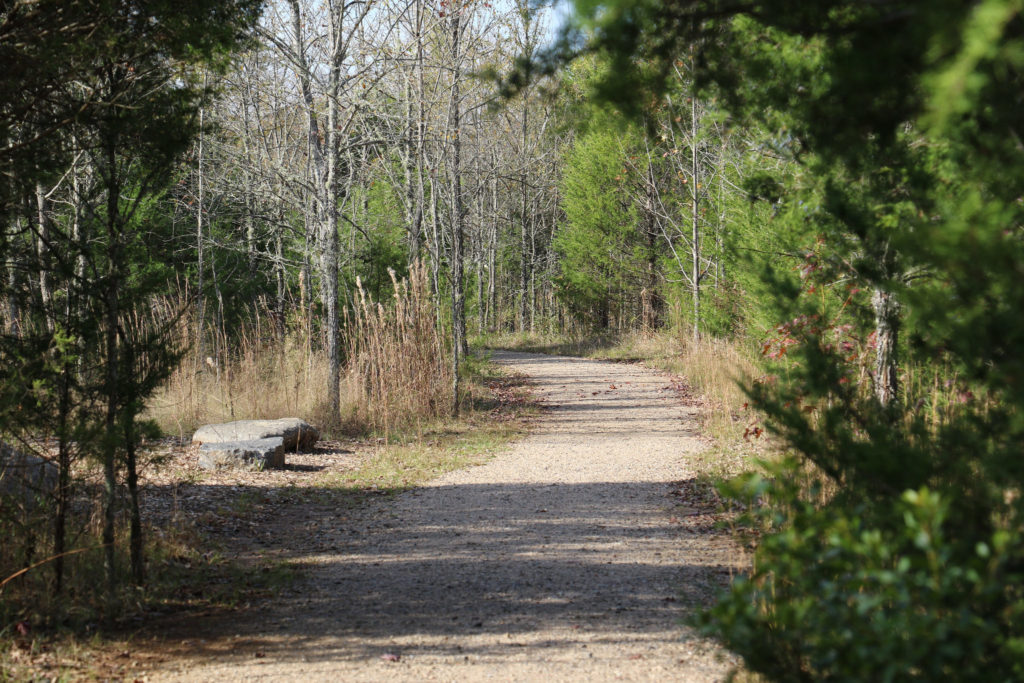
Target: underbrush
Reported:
[(81, 632), (395, 375), (185, 570), (191, 567)]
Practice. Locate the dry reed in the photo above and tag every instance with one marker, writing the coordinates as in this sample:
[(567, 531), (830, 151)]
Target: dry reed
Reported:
[(395, 375), (253, 373)]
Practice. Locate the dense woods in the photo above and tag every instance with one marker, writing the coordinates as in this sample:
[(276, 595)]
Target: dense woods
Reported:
[(203, 202)]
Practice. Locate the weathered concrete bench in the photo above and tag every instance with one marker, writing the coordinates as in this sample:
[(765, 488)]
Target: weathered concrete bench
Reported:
[(252, 444)]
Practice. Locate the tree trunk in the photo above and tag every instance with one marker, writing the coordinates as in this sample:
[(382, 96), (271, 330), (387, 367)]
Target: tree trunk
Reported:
[(112, 315), (331, 255), (887, 327), (492, 250), (523, 227), (695, 255), (43, 254), (281, 291), (458, 217), (135, 529), (200, 253), (435, 256)]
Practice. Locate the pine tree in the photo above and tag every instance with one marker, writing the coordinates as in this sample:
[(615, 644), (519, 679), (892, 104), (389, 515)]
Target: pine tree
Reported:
[(106, 92), (900, 117)]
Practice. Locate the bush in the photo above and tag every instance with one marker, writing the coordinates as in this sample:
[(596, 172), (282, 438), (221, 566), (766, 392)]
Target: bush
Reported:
[(872, 593)]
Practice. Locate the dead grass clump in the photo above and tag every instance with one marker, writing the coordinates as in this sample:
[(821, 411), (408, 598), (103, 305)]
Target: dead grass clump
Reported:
[(395, 376), (715, 370), (397, 373), (259, 371)]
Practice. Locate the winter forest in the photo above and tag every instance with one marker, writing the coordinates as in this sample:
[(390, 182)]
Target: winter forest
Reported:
[(808, 213)]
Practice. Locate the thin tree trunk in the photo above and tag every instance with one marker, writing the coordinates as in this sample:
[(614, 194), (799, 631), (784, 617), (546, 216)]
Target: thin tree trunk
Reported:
[(43, 254), (135, 540), (64, 426), (200, 251), (458, 216), (533, 276), (13, 312), (887, 327), (281, 293), (331, 251), (523, 225), (421, 124), (313, 214), (111, 389), (492, 298), (478, 256), (695, 255), (435, 261)]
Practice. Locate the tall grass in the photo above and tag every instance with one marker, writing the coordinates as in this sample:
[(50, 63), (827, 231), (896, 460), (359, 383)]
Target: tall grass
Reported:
[(394, 374), (253, 372), (715, 371), (397, 373)]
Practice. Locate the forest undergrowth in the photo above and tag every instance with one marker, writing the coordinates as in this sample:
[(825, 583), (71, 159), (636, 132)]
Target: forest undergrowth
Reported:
[(394, 433)]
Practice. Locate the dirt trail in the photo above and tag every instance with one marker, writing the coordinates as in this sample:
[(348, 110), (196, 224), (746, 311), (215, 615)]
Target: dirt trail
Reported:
[(560, 559)]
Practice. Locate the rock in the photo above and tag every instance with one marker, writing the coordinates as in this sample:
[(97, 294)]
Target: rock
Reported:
[(255, 454), (297, 434), (26, 476)]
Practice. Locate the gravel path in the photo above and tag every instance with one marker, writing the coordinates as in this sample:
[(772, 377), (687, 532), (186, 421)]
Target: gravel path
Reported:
[(561, 559)]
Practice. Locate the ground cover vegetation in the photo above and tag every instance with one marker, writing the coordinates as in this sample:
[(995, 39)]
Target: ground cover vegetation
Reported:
[(233, 210)]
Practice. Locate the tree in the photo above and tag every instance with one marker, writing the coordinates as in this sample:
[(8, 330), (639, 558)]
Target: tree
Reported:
[(898, 114), (120, 94), (599, 245)]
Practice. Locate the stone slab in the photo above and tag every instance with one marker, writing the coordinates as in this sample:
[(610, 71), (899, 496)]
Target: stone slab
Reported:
[(296, 433), (255, 454)]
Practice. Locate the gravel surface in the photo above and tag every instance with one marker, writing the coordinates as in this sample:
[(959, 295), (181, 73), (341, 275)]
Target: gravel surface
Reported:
[(565, 558)]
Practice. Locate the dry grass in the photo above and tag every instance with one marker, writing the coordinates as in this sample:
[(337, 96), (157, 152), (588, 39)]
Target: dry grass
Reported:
[(255, 373), (395, 377), (499, 408), (398, 374)]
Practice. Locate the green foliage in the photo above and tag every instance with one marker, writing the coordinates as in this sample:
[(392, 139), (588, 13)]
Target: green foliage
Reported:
[(93, 128), (905, 561), (881, 592), (599, 245), (376, 230)]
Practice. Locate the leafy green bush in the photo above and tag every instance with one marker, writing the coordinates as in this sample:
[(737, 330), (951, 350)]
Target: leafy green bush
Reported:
[(872, 593)]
